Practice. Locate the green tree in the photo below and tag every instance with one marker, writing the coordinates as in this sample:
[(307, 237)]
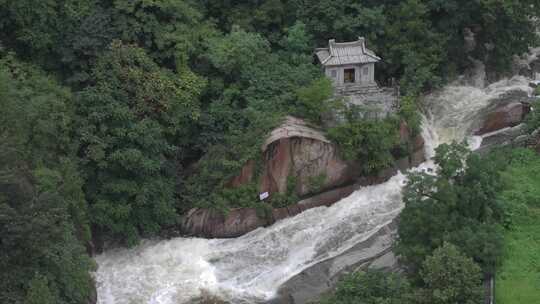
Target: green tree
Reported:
[(298, 40), (367, 141), (38, 236), (172, 32), (269, 17), (408, 111), (342, 20), (234, 53), (43, 219), (413, 51), (459, 205), (39, 292), (131, 127), (250, 91), (60, 35), (314, 100), (38, 115), (451, 277)]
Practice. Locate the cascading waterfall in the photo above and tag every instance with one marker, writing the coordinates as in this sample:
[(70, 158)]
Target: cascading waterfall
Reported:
[(454, 112), (250, 269)]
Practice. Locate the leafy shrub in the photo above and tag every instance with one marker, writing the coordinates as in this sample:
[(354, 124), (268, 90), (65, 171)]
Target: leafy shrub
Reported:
[(372, 286), (223, 161), (244, 196), (43, 213), (315, 183), (408, 111), (314, 100), (288, 198), (367, 141), (451, 277)]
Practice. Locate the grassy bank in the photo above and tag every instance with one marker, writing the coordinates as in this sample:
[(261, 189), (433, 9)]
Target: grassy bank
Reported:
[(518, 278)]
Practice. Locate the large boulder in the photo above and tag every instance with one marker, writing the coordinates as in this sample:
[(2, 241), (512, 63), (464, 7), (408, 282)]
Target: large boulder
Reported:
[(503, 116), (303, 152), (297, 150), (215, 224)]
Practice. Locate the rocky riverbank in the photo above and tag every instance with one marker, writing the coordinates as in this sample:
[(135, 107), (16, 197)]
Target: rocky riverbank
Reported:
[(500, 123), (297, 150), (375, 252)]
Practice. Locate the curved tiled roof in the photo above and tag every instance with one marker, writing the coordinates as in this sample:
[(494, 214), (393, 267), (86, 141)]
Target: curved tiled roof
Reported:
[(346, 53)]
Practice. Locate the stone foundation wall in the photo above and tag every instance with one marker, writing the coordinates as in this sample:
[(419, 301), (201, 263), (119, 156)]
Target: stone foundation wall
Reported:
[(379, 103)]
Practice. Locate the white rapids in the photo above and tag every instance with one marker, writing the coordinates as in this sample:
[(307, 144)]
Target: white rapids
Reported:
[(454, 110), (250, 269)]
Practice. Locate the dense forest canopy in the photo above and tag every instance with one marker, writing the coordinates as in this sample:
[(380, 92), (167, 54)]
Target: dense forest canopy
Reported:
[(107, 105)]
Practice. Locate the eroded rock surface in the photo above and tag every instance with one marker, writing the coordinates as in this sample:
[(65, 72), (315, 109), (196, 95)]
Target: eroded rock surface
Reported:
[(375, 252)]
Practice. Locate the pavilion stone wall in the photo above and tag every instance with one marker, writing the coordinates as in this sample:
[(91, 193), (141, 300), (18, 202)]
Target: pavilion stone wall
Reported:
[(378, 103)]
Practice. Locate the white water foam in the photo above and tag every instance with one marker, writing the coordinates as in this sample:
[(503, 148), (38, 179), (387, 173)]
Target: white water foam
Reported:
[(250, 269), (453, 111)]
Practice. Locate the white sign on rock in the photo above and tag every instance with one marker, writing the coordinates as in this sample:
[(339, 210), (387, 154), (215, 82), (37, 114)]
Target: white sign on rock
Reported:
[(263, 196)]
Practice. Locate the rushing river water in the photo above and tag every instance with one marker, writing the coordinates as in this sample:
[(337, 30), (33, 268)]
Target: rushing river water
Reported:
[(250, 269)]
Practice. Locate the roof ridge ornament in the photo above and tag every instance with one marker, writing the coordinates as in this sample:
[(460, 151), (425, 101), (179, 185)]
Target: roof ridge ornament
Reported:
[(331, 44), (362, 41)]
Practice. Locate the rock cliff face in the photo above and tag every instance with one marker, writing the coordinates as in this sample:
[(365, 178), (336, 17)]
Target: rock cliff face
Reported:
[(305, 159), (322, 177), (296, 150)]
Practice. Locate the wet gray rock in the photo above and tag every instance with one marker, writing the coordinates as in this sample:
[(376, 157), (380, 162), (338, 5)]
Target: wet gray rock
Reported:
[(310, 284), (503, 137)]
